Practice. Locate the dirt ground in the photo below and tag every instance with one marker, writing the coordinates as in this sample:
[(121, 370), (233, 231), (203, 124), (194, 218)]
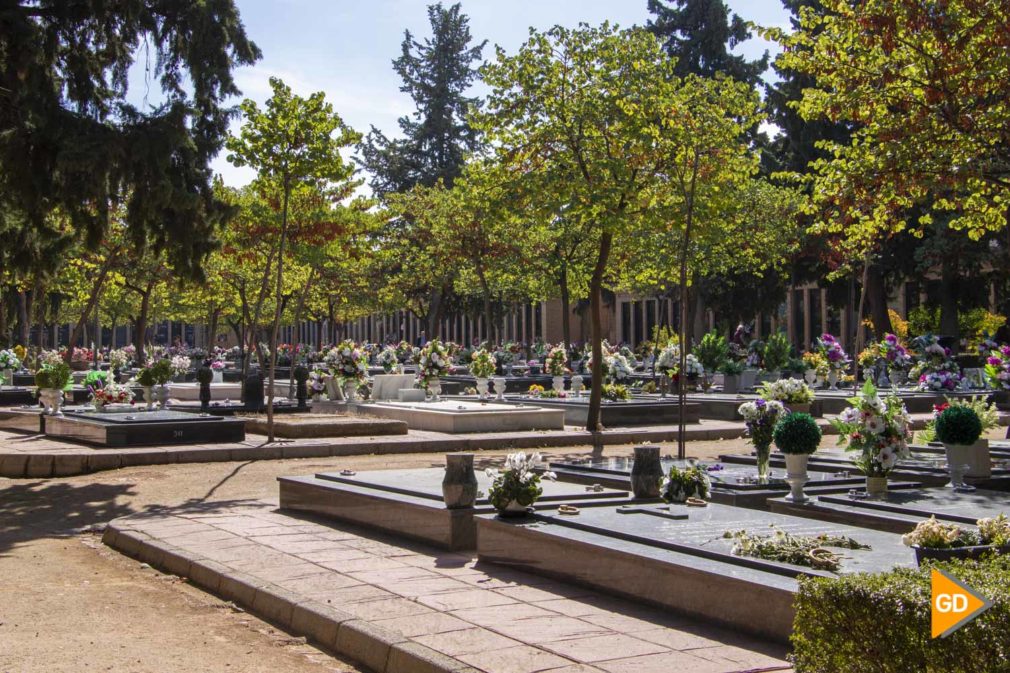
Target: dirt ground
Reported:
[(68, 603)]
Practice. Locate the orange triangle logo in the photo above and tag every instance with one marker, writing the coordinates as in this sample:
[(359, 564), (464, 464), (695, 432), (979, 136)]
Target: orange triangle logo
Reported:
[(953, 604)]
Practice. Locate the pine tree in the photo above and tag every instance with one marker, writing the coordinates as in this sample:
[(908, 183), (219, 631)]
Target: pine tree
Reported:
[(435, 73), (72, 146), (700, 34)]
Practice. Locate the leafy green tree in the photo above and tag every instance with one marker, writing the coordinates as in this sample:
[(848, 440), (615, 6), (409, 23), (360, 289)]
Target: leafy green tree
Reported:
[(436, 73), (700, 34), (293, 143), (70, 144)]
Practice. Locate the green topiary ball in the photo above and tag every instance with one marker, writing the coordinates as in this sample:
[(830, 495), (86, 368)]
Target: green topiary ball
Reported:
[(958, 425), (797, 433)]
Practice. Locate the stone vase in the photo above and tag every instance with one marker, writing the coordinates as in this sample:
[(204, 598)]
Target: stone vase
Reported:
[(899, 377), (647, 472), (317, 397), (351, 390), (435, 386), (51, 399), (796, 475), (558, 383), (799, 408), (577, 385), (499, 388), (482, 387), (731, 384), (876, 487), (459, 486), (332, 389), (833, 379), (149, 397), (975, 456), (218, 376), (810, 376), (163, 396)]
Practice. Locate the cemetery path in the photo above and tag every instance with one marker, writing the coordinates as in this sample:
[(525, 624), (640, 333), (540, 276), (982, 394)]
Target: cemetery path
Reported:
[(68, 603)]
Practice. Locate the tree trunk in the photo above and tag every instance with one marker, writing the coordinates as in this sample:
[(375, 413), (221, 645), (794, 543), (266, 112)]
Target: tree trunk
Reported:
[(948, 297), (96, 290), (596, 333), (566, 307), (682, 377), (140, 324), (24, 323), (859, 322), (215, 317), (876, 295), (277, 316), (299, 307)]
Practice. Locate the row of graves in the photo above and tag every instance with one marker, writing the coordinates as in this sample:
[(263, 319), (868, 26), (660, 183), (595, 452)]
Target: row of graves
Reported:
[(440, 387), (728, 541)]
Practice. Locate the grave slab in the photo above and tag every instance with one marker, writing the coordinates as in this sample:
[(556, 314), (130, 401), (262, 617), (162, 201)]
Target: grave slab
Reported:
[(409, 502), (457, 416), (144, 428), (684, 565), (900, 511), (638, 411)]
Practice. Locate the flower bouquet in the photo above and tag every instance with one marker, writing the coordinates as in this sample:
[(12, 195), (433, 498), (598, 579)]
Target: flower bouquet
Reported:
[(180, 365), (878, 429), (895, 355), (668, 362), (997, 368), (9, 360), (683, 483), (347, 361), (110, 393), (836, 357), (618, 368), (817, 367), (482, 364), (517, 486), (760, 417), (388, 359), (943, 541), (317, 383), (120, 358), (791, 392), (556, 362), (434, 362)]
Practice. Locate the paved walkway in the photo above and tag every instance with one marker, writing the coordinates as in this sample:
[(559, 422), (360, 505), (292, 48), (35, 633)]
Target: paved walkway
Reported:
[(410, 608)]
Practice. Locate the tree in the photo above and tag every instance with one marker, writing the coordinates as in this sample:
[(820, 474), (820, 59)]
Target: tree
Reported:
[(70, 144), (596, 119), (294, 143), (928, 97), (699, 34), (435, 73)]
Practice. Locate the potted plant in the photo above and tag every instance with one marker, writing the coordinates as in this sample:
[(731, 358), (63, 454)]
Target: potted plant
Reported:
[(760, 417), (155, 375), (776, 354), (388, 359), (797, 436), (9, 362), (792, 393), (51, 380), (686, 482), (514, 490), (106, 393), (556, 364), (348, 363), (482, 366), (180, 367), (731, 371), (434, 362), (836, 357), (877, 430), (668, 366), (959, 428), (944, 541), (712, 351)]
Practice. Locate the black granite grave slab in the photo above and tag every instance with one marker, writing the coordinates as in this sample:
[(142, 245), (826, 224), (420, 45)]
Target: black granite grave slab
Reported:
[(900, 511), (11, 396), (144, 428), (685, 565), (409, 502), (732, 484)]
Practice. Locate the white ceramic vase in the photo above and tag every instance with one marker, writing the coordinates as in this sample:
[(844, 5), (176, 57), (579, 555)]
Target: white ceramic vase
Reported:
[(499, 387), (796, 475), (482, 387), (558, 383)]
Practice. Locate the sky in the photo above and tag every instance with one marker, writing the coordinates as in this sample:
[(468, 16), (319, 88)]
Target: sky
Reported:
[(345, 47)]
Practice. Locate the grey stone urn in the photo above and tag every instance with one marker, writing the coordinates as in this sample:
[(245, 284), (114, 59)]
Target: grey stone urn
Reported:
[(647, 472), (459, 486)]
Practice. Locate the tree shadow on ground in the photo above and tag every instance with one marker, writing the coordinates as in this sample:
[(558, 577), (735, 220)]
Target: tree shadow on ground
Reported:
[(44, 509)]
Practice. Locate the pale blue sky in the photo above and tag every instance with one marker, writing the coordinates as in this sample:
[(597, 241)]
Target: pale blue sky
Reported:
[(344, 47)]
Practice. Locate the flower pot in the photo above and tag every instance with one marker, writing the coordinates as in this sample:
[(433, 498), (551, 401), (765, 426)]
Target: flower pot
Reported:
[(459, 485), (217, 376), (163, 396), (499, 387), (799, 408), (80, 366), (810, 376), (558, 383), (51, 399), (923, 553), (149, 397), (899, 377), (435, 386), (796, 475), (482, 387), (514, 509), (731, 384), (833, 380), (876, 487), (975, 456), (351, 390), (646, 472), (317, 397), (578, 384), (332, 389)]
